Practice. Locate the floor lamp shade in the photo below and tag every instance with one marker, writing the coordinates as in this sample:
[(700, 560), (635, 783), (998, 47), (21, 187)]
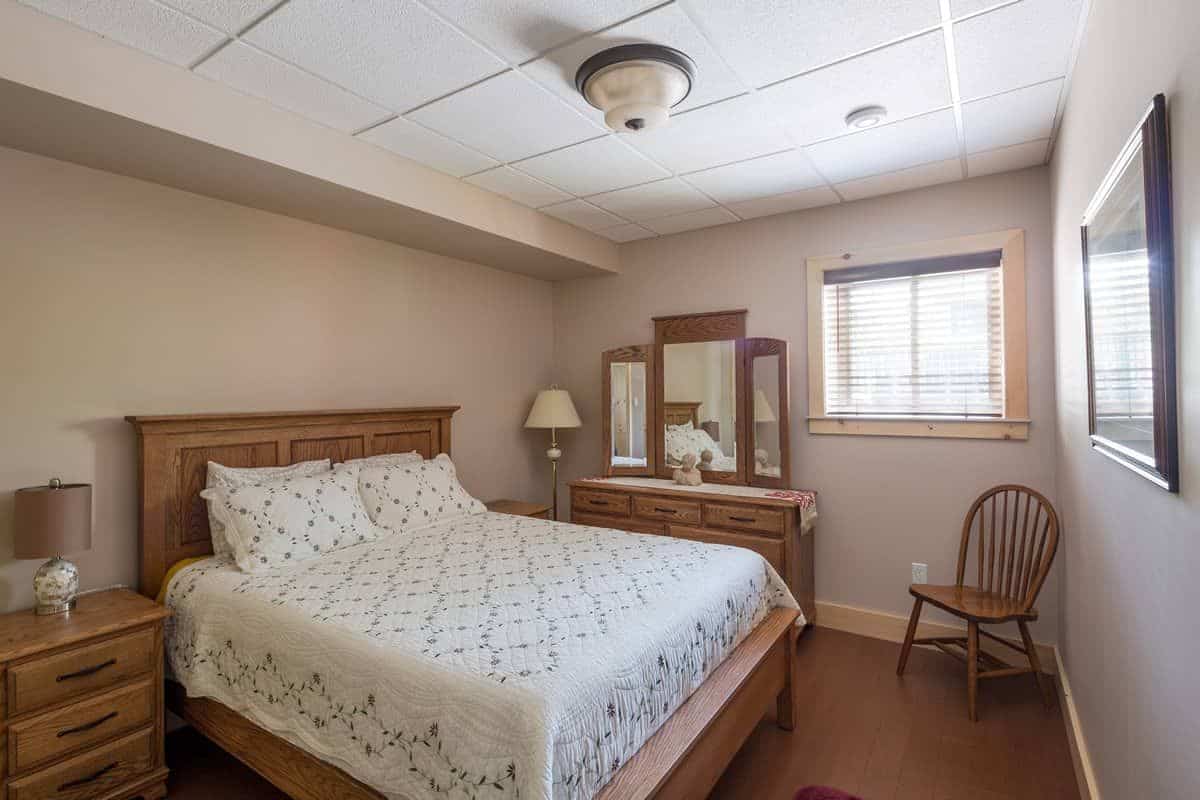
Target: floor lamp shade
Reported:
[(553, 409), (52, 520)]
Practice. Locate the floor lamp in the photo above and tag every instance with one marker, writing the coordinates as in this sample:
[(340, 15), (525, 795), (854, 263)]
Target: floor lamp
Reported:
[(553, 409)]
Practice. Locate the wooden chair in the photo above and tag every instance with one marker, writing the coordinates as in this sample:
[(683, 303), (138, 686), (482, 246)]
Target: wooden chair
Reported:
[(1015, 546)]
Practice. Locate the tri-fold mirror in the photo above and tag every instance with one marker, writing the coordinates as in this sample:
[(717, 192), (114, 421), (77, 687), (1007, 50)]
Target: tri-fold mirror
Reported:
[(702, 389)]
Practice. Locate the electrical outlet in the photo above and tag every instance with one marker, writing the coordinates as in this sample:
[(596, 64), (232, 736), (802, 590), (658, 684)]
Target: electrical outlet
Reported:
[(920, 573)]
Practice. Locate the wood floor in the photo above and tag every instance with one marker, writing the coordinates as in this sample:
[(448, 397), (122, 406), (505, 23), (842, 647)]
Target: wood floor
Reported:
[(862, 729)]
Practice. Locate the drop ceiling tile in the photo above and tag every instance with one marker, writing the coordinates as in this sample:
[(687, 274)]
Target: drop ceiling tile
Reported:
[(907, 79), (783, 203), (599, 165), (705, 218), (783, 172), (508, 117), (1011, 118), (667, 25), (627, 233), (960, 8), (659, 199), (433, 150), (1006, 159), (254, 72), (519, 30), (769, 41), (1014, 46), (392, 51), (902, 180), (228, 15), (519, 187), (732, 130), (583, 214), (142, 24), (920, 140)]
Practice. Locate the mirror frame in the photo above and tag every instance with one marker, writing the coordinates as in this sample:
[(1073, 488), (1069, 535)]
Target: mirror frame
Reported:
[(1149, 142), (712, 326), (633, 354), (757, 348)]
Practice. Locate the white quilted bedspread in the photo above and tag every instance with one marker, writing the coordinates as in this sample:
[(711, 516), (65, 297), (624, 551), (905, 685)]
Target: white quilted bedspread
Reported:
[(492, 657)]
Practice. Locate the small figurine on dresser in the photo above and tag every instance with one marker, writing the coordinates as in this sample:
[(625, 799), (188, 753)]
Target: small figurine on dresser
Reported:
[(687, 474)]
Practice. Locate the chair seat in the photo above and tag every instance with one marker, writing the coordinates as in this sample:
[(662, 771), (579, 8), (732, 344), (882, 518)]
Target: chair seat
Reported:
[(971, 603)]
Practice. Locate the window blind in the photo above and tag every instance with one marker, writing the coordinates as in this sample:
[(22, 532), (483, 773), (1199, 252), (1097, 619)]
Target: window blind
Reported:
[(917, 338), (1122, 360)]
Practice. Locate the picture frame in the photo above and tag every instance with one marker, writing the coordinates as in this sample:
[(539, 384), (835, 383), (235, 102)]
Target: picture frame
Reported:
[(1127, 240)]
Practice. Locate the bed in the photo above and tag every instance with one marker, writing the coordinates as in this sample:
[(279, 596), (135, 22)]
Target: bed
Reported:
[(328, 690)]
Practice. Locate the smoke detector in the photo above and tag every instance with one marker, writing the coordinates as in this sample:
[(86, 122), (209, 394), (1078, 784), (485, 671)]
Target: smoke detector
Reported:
[(866, 117), (636, 85)]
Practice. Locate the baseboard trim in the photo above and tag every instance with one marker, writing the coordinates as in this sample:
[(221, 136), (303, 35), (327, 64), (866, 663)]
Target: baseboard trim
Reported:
[(1084, 776), (892, 627)]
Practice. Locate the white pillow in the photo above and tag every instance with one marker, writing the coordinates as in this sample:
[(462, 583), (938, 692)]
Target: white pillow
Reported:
[(227, 479), (407, 497), (272, 524), (386, 460)]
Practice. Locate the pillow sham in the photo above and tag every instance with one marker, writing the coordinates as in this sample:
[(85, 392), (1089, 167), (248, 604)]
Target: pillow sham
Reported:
[(227, 479), (272, 524), (386, 460), (408, 497)]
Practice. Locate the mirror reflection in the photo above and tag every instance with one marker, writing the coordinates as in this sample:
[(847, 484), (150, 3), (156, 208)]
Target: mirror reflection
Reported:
[(765, 379), (700, 404), (628, 414)]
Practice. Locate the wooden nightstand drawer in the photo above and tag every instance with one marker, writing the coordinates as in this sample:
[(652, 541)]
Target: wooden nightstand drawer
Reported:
[(748, 518), (600, 502), (44, 681), (33, 742), (92, 774), (668, 509)]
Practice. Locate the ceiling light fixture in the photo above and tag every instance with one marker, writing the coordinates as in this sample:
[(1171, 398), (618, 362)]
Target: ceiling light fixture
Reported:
[(866, 117), (636, 85)]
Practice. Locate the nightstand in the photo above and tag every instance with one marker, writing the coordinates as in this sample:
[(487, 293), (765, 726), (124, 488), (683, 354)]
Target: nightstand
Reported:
[(520, 508), (82, 717)]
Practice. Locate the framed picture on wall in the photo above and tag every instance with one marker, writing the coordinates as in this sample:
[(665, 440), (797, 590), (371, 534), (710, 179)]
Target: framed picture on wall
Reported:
[(1129, 307)]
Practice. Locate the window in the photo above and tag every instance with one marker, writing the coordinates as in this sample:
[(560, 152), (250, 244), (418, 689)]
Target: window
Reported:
[(924, 340)]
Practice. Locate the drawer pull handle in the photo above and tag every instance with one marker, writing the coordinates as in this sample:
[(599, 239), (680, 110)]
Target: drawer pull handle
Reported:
[(87, 726), (83, 673), (598, 502), (88, 778), (665, 510), (743, 519)]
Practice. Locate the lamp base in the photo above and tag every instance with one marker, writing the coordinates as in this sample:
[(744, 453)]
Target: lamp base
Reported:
[(55, 585)]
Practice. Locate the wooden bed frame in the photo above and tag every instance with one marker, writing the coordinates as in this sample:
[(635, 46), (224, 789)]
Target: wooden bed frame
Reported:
[(681, 412), (682, 760)]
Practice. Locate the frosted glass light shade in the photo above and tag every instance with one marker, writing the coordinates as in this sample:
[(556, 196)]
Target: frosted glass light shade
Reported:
[(553, 409)]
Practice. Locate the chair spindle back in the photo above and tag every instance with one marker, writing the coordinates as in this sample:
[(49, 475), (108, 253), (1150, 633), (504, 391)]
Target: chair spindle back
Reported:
[(1016, 532)]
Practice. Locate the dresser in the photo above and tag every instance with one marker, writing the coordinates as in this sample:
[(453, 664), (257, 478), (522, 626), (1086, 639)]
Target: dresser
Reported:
[(779, 528), (82, 710)]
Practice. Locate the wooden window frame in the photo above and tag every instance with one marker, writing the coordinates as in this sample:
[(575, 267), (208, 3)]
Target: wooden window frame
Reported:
[(1013, 424)]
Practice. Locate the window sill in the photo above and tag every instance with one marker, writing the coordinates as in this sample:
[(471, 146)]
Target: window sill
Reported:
[(922, 427)]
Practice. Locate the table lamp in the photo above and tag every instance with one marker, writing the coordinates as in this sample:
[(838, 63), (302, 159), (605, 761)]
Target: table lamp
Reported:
[(553, 409), (52, 520)]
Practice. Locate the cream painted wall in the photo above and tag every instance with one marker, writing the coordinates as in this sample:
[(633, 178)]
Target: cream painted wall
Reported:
[(1131, 635), (121, 297), (884, 503)]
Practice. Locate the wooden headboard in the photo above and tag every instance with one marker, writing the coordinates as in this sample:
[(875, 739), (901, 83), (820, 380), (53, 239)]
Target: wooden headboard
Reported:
[(174, 451), (679, 413)]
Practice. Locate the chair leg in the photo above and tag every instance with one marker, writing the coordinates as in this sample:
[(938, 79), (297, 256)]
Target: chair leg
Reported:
[(1043, 681), (908, 637), (972, 668)]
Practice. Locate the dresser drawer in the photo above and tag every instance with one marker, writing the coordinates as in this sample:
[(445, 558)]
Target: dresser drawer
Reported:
[(600, 502), (618, 523), (744, 518), (770, 549), (46, 737), (663, 508), (41, 682), (91, 774)]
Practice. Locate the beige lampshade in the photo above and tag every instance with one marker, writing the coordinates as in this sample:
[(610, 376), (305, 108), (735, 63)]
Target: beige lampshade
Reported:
[(52, 520), (553, 409), (762, 408)]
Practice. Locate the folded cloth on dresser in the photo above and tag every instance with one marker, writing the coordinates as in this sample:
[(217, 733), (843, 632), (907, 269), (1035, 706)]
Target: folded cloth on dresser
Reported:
[(490, 656)]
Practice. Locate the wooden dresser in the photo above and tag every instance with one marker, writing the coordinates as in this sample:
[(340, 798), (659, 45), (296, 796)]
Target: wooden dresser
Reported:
[(83, 701), (776, 528)]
